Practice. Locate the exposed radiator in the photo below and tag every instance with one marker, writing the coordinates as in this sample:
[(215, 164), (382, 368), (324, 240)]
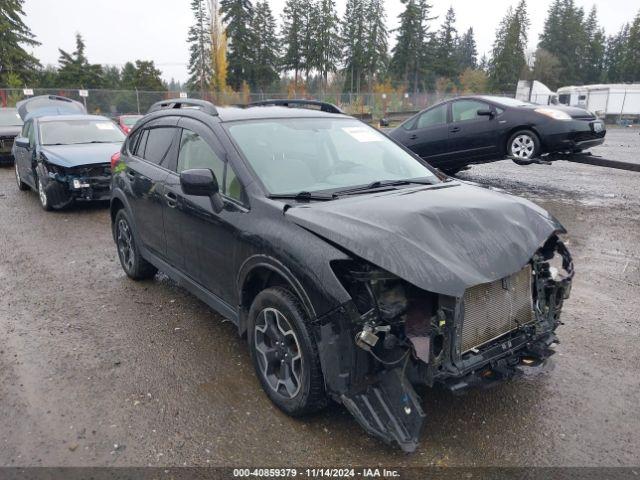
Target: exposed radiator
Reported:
[(493, 309)]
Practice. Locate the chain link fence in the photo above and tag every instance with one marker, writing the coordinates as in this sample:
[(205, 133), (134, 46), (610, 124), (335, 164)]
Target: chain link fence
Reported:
[(119, 102)]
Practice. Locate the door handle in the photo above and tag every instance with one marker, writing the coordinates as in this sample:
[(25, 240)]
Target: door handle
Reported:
[(131, 174), (171, 199), (454, 129), (413, 137)]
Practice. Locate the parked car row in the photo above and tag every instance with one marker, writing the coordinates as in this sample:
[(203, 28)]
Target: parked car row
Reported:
[(354, 269)]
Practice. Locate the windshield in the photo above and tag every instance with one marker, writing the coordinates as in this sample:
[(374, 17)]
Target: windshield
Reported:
[(508, 102), (130, 121), (71, 132), (314, 154), (10, 118)]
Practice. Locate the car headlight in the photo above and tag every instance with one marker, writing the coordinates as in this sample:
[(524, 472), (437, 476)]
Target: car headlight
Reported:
[(553, 113)]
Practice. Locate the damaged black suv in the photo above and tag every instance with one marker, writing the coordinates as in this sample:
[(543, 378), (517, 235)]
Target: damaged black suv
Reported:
[(355, 271)]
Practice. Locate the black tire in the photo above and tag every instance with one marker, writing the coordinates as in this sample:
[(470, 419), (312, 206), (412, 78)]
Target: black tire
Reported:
[(21, 185), (133, 264), (524, 145), (43, 197), (307, 394)]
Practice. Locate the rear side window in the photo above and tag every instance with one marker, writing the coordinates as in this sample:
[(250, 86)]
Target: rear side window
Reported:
[(435, 116), (158, 141)]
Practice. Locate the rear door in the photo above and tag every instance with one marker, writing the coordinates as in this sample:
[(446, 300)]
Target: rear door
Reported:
[(145, 174), (428, 134), (472, 136)]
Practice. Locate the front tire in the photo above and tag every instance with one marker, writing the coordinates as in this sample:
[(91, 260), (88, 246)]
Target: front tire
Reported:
[(21, 185), (133, 264), (43, 197), (523, 145), (284, 353)]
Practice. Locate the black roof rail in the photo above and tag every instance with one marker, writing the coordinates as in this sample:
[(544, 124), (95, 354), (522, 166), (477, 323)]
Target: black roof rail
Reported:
[(283, 102), (178, 103)]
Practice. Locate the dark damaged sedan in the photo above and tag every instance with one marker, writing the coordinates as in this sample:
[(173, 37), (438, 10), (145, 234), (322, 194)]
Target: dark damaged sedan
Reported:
[(353, 270), (66, 157)]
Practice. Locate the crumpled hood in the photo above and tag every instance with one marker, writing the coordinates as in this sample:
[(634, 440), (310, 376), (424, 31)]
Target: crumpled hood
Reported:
[(77, 155), (443, 238)]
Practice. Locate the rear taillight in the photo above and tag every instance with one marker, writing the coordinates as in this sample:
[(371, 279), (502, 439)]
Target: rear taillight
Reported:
[(115, 158)]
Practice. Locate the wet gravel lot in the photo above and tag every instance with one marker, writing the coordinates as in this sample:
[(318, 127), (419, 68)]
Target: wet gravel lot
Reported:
[(96, 370)]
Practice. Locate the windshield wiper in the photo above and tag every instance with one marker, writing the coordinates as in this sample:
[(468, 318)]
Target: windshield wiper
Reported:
[(302, 196), (378, 184)]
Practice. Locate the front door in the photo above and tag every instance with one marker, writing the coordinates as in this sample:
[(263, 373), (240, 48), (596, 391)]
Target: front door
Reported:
[(25, 156), (472, 136), (200, 239)]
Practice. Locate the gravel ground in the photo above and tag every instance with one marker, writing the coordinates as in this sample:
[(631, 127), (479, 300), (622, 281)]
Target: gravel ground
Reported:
[(96, 370)]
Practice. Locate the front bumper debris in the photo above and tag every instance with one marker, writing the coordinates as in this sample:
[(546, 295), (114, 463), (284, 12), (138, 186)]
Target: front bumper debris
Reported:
[(88, 183), (372, 358)]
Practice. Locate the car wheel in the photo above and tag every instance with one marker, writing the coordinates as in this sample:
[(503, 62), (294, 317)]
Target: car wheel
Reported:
[(284, 354), (21, 185), (42, 195), (136, 267), (523, 145)]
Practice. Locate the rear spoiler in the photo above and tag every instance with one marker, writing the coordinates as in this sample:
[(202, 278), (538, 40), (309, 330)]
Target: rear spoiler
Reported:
[(324, 106)]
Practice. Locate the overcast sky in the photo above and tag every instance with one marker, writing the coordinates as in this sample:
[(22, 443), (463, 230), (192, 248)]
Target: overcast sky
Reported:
[(116, 31)]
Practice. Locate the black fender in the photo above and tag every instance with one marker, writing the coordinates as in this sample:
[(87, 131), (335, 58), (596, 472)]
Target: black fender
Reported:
[(267, 262), (118, 196)]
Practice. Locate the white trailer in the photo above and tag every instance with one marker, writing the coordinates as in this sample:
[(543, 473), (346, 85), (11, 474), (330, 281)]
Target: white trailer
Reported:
[(604, 99)]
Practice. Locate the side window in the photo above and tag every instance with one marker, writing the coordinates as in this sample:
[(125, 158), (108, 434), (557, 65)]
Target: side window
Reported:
[(158, 142), (31, 134), (195, 152), (132, 140), (468, 110), (142, 144), (435, 116)]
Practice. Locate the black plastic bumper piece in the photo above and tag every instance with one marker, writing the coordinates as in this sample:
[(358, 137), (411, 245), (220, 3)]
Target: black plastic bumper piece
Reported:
[(389, 409)]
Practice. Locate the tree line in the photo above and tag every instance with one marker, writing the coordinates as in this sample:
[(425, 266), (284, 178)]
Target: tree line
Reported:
[(239, 45)]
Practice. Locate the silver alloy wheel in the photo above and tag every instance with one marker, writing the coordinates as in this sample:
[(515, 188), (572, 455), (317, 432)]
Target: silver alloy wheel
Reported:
[(523, 146), (42, 194), (18, 179), (279, 353), (125, 245)]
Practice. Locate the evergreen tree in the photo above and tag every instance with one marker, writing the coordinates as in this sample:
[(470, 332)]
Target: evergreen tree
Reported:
[(446, 48), (200, 69), (326, 52), (377, 46), (14, 37), (413, 50), (565, 37), (266, 47), (238, 17), (508, 56), (218, 49), (111, 78), (632, 54), (467, 51), (594, 51), (354, 36), (75, 70), (615, 55), (292, 37)]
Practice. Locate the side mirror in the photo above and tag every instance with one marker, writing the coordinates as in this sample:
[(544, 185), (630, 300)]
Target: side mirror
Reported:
[(201, 182), (485, 112), (22, 142), (384, 122)]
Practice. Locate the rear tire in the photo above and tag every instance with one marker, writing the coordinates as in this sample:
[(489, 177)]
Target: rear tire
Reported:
[(133, 264), (523, 145), (284, 353)]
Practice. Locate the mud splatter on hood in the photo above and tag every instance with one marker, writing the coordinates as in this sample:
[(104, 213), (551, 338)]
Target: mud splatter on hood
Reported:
[(442, 238)]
